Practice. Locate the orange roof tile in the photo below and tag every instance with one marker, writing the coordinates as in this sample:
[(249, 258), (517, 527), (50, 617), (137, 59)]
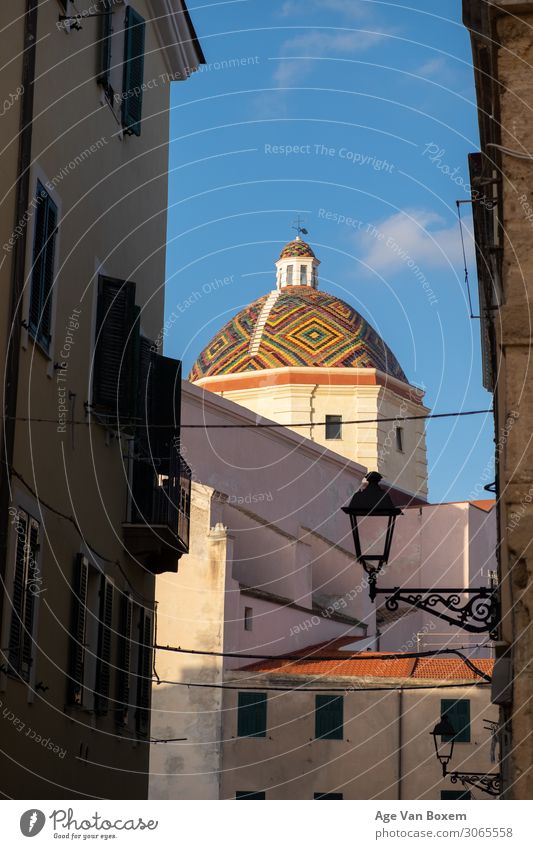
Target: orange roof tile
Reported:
[(368, 664)]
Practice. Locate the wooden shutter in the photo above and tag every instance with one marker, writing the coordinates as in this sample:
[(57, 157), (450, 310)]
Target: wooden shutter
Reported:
[(165, 408), (124, 660), (78, 630), (251, 715), (103, 660), (17, 594), (329, 717), (144, 680), (42, 278), (132, 80), (32, 553), (105, 55), (458, 713), (114, 359)]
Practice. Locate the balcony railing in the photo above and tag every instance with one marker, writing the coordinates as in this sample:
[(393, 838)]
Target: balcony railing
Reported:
[(157, 533)]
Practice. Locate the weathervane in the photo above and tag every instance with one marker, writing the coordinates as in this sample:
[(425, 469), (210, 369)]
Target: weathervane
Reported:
[(298, 227)]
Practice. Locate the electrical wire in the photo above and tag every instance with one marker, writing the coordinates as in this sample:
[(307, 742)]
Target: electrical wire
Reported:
[(467, 281), (510, 152), (206, 426), (303, 689), (74, 523), (319, 657)]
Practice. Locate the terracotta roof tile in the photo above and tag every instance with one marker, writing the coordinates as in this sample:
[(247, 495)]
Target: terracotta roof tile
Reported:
[(368, 664)]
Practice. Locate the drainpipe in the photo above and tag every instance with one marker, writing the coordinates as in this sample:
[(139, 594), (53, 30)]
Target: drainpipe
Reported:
[(17, 279), (400, 742)]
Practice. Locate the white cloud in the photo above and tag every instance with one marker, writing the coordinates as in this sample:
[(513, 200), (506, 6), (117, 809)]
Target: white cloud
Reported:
[(419, 235), (350, 8), (319, 44), (432, 67)]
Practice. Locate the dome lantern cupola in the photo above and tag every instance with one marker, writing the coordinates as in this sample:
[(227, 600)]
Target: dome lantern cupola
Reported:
[(297, 265)]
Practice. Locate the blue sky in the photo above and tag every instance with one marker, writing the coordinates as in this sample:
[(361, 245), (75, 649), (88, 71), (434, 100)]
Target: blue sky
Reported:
[(337, 109)]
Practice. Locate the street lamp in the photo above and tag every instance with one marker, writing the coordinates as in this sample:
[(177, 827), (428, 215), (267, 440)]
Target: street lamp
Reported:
[(444, 750), (488, 782), (372, 515)]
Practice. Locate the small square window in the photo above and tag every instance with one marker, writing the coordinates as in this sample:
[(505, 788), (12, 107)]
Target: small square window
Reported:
[(328, 796), (455, 794), (333, 427), (399, 438), (248, 615), (250, 794)]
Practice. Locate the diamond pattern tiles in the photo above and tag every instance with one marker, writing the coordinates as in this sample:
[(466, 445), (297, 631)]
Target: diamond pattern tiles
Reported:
[(305, 327)]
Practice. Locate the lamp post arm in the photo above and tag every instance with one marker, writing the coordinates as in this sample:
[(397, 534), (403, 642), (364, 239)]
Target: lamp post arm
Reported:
[(487, 782), (480, 613)]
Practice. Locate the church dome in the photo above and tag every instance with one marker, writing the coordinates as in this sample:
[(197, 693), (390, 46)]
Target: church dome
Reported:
[(296, 248), (296, 326)]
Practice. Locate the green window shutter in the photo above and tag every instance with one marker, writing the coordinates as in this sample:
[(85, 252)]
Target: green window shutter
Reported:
[(117, 328), (78, 630), (17, 595), (329, 717), (105, 47), (124, 660), (133, 74), (42, 275), (103, 660), (32, 553), (458, 712), (250, 794), (251, 715), (144, 672), (455, 794)]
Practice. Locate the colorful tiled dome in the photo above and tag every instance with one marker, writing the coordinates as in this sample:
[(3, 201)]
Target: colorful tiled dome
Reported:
[(303, 327), (296, 248)]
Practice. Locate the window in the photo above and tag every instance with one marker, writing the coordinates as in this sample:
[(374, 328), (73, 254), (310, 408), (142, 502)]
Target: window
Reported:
[(455, 794), (144, 671), (122, 63), (458, 713), (248, 613), (132, 80), (289, 275), (333, 427), (328, 796), (303, 275), (26, 587), (329, 717), (250, 794), (91, 637), (251, 715), (42, 271), (103, 657), (399, 438)]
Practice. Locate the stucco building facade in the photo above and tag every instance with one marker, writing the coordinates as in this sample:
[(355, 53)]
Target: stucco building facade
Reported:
[(82, 278)]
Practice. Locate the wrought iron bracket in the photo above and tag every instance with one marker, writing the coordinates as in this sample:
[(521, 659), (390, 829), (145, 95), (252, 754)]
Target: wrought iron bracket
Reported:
[(488, 782), (480, 613)]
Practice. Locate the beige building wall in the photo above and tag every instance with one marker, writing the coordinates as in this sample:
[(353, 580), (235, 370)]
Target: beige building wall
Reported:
[(374, 445), (387, 751), (111, 193)]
